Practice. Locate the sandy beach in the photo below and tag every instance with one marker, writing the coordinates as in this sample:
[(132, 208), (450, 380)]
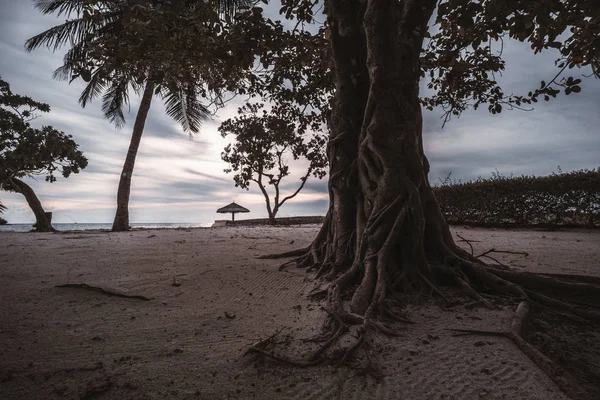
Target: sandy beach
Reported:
[(188, 341)]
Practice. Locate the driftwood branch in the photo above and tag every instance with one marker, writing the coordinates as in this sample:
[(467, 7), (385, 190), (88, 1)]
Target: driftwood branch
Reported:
[(107, 292), (485, 253), (467, 241)]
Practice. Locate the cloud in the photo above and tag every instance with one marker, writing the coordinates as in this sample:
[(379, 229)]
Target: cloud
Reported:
[(182, 180)]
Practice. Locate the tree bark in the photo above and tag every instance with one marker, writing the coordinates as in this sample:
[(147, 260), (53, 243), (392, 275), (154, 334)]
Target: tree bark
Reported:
[(384, 231), (121, 221), (384, 234), (42, 224), (375, 148)]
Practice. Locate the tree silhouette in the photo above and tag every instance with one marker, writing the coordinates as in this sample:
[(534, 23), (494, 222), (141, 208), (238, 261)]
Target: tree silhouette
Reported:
[(26, 151), (384, 236), (154, 48)]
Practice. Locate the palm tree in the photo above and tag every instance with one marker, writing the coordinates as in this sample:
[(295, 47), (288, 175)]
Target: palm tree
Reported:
[(114, 58)]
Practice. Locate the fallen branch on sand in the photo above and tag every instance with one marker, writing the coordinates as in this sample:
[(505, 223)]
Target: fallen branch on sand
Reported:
[(556, 373), (487, 253), (467, 241), (107, 292), (288, 254), (259, 348), (502, 251)]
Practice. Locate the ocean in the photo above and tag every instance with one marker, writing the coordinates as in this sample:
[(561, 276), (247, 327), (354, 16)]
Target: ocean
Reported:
[(95, 226)]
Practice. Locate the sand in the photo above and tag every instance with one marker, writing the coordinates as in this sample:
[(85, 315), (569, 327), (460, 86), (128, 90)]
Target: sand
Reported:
[(189, 340)]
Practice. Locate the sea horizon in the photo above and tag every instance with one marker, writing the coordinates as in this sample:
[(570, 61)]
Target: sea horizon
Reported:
[(86, 226)]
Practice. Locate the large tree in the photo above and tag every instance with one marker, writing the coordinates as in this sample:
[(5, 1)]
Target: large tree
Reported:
[(384, 234), (174, 49), (26, 151)]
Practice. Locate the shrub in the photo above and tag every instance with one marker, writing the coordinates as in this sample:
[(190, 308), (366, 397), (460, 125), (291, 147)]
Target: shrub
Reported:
[(567, 199)]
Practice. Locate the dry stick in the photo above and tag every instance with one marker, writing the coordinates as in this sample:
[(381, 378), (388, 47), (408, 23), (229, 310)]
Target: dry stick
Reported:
[(467, 242), (492, 250), (555, 372), (496, 261), (264, 342), (257, 348), (107, 292)]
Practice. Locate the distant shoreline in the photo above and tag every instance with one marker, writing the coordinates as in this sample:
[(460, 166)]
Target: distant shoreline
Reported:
[(280, 222), (106, 227)]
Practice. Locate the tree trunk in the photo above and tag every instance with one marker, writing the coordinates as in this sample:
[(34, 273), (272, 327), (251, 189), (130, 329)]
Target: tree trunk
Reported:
[(272, 214), (121, 222), (384, 231), (42, 224), (384, 234), (377, 166)]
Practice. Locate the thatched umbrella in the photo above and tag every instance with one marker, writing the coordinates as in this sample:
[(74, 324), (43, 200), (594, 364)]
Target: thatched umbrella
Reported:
[(233, 208)]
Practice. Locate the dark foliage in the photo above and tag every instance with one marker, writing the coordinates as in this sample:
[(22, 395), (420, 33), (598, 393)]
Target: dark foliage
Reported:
[(263, 142), (27, 151), (559, 199)]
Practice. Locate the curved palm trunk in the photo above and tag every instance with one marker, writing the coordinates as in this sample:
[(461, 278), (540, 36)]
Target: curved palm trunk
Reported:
[(121, 222), (42, 224)]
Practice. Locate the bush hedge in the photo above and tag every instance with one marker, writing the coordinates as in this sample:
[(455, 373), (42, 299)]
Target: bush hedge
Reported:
[(560, 199)]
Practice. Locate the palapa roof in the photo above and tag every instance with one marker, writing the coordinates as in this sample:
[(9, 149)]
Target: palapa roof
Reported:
[(233, 208)]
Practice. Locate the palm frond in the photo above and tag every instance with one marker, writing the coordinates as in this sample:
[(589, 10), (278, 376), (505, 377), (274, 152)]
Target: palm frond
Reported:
[(2, 207), (73, 59), (62, 6), (116, 96), (93, 89), (73, 31), (184, 106)]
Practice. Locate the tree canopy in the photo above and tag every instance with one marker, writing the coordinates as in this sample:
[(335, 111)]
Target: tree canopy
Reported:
[(181, 50), (26, 151), (182, 47), (262, 142)]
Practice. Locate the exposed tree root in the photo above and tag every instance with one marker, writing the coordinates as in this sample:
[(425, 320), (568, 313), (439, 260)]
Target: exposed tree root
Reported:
[(107, 292), (287, 254), (556, 373), (370, 304), (259, 348), (284, 360), (384, 236)]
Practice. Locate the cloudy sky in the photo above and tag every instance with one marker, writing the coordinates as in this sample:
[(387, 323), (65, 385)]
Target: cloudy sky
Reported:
[(181, 180)]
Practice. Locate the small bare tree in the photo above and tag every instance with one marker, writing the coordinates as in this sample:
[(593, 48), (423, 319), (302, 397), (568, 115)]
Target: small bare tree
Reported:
[(258, 154)]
